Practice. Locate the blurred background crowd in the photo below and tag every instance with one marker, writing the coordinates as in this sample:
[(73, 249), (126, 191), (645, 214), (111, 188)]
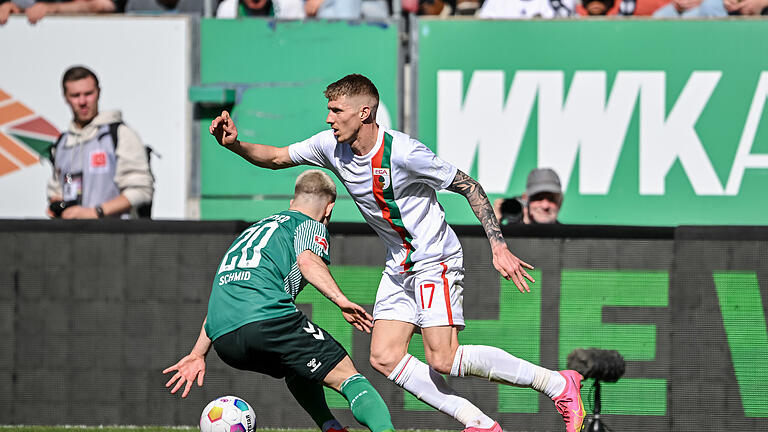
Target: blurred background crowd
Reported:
[(372, 9)]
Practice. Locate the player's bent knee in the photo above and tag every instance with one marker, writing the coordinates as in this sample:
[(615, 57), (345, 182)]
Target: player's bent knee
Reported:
[(383, 363)]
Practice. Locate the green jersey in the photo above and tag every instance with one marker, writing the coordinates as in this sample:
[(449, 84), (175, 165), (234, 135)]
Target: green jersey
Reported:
[(259, 278)]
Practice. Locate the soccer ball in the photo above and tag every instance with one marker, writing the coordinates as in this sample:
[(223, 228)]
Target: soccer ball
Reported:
[(228, 414)]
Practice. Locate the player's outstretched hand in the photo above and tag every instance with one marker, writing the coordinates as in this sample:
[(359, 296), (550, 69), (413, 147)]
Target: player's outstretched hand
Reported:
[(512, 267), (223, 129), (357, 316), (187, 370)]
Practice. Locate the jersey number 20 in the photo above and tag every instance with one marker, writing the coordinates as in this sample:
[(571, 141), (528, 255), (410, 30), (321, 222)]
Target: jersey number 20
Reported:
[(250, 235)]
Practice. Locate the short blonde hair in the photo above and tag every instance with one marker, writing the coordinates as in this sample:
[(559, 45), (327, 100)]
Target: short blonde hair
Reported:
[(317, 183), (351, 86)]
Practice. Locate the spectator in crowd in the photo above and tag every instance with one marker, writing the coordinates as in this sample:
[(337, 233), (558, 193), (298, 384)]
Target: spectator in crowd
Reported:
[(235, 8), (619, 7), (746, 7), (595, 7), (346, 9), (194, 7), (442, 8), (35, 11), (100, 166), (692, 9), (539, 204), (505, 9), (435, 8), (301, 9), (289, 9), (467, 7), (334, 9)]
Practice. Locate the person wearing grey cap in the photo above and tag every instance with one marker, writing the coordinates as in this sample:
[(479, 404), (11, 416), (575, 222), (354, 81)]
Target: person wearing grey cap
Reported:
[(539, 204)]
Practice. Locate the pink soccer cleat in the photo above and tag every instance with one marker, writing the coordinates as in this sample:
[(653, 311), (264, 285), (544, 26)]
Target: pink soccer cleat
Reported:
[(494, 428), (569, 403)]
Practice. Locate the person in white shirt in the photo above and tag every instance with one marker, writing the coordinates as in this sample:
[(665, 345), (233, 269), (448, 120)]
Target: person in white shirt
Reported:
[(393, 180), (526, 9)]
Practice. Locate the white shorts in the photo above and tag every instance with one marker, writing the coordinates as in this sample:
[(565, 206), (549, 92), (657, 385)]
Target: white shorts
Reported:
[(430, 297)]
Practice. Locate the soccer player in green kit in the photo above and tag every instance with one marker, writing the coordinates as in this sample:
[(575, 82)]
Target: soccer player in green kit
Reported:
[(253, 323)]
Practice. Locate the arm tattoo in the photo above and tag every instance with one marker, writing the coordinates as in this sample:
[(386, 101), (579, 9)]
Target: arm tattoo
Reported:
[(474, 193)]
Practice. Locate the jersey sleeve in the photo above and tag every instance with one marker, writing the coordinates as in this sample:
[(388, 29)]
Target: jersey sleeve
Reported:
[(426, 167), (312, 236), (312, 151)]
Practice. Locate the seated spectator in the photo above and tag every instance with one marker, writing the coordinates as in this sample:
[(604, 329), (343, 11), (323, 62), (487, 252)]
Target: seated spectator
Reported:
[(506, 9), (692, 9), (596, 7), (289, 9), (746, 7), (619, 7), (301, 9), (35, 11), (539, 204), (438, 8), (165, 6), (7, 8), (467, 7), (245, 8), (375, 9), (334, 9), (443, 8), (347, 9)]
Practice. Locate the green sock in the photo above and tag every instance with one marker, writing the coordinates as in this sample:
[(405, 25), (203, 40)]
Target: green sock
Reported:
[(366, 404), (311, 396)]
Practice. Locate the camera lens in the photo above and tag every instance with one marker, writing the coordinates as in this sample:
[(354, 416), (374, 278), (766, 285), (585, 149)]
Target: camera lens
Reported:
[(511, 211)]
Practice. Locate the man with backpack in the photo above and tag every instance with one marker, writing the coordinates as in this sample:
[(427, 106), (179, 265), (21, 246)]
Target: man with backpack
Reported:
[(100, 166)]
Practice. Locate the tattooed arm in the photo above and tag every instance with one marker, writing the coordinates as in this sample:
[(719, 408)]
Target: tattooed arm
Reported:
[(474, 193), (510, 266)]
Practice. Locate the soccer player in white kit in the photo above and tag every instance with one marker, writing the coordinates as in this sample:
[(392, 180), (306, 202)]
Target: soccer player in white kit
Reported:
[(393, 179)]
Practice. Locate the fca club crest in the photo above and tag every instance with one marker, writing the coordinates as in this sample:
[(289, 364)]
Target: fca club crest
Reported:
[(381, 177)]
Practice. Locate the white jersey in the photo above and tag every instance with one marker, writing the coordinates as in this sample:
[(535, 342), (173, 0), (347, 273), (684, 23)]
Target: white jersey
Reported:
[(394, 187), (512, 9)]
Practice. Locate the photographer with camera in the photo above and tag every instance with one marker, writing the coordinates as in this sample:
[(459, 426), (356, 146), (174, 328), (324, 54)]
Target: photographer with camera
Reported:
[(100, 166), (539, 204)]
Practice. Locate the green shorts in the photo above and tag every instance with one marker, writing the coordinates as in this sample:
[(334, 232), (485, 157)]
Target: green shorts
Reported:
[(280, 347)]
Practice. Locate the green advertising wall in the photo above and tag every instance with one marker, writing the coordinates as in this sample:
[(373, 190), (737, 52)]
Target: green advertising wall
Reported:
[(101, 314), (271, 76), (646, 122)]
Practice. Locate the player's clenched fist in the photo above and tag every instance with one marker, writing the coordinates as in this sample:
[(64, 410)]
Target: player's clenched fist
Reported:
[(223, 129)]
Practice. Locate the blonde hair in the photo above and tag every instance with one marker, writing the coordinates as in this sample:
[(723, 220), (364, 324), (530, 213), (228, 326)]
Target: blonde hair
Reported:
[(354, 85), (350, 86), (317, 183)]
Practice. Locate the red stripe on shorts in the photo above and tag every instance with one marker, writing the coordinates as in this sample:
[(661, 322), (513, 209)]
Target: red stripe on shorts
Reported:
[(447, 293)]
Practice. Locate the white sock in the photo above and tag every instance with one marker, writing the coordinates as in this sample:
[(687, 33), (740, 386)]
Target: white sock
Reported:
[(429, 386), (333, 423), (502, 367)]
